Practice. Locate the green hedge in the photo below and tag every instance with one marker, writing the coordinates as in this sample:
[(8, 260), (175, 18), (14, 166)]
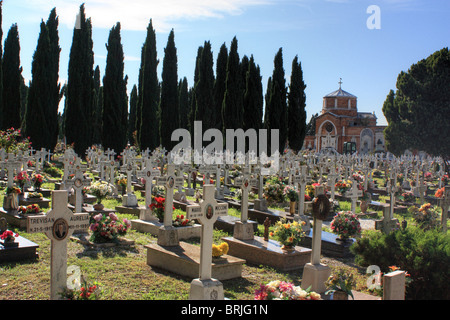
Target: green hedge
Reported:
[(424, 254)]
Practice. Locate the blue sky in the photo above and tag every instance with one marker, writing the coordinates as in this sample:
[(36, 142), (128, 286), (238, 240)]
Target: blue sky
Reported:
[(330, 37)]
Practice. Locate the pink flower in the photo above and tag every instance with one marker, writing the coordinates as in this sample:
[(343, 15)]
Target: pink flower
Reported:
[(98, 217)]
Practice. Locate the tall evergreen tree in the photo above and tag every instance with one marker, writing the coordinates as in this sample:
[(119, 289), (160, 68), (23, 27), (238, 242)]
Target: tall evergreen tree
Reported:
[(54, 91), (183, 94), (35, 124), (1, 72), (132, 114), (147, 114), (253, 97), (169, 94), (78, 128), (12, 76), (233, 104), (204, 89), (193, 99), (219, 84), (296, 107), (115, 99), (277, 116), (97, 106)]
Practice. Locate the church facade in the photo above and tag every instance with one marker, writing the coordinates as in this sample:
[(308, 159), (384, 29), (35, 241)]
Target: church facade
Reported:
[(341, 128)]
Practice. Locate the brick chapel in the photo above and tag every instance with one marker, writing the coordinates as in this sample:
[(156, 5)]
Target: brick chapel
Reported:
[(341, 128)]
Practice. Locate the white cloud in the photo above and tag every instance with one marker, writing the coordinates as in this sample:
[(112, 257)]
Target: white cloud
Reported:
[(136, 14)]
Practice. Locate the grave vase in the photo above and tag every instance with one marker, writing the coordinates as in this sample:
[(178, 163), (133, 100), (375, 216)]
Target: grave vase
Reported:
[(292, 205), (287, 248), (364, 206), (340, 295)]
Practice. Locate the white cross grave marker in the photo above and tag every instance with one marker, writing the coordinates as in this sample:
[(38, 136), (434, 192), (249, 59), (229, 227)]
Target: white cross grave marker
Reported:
[(58, 225), (206, 213)]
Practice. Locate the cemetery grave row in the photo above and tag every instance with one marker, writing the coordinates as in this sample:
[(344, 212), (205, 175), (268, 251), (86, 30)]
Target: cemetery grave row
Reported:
[(294, 202)]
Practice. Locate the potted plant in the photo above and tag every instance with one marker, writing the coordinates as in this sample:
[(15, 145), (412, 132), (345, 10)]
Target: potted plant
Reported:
[(340, 284), (288, 234), (282, 290), (292, 194), (157, 206), (107, 228), (345, 224), (9, 238), (182, 221), (219, 250), (21, 178), (100, 189), (37, 180)]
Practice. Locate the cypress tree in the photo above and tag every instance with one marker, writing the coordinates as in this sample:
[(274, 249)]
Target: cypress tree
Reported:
[(1, 72), (253, 97), (296, 107), (233, 104), (54, 91), (115, 103), (97, 106), (277, 106), (12, 76), (132, 114), (147, 119), (36, 124), (169, 94), (204, 89), (183, 94), (193, 99), (78, 127), (219, 84)]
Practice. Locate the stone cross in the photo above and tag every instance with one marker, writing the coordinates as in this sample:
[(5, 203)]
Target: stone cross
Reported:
[(170, 182), (445, 204), (58, 225), (245, 183), (147, 174), (130, 199), (78, 182), (206, 213), (314, 273), (301, 180), (355, 193), (10, 166), (331, 180)]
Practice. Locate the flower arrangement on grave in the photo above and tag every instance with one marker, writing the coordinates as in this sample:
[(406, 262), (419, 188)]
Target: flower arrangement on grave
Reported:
[(157, 207), (342, 186), (445, 179), (158, 190), (358, 176), (400, 178), (8, 236), (219, 250), (366, 195), (439, 192), (309, 191), (37, 180), (30, 209), (291, 193), (407, 196), (426, 217), (107, 228), (13, 190), (11, 140), (85, 292), (289, 234), (35, 195), (307, 197), (21, 178), (100, 189), (211, 181), (273, 190), (340, 281), (281, 290), (182, 221), (428, 176), (121, 180), (345, 224), (51, 170), (30, 163)]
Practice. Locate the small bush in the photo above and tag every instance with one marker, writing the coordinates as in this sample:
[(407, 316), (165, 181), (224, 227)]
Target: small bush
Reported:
[(424, 254)]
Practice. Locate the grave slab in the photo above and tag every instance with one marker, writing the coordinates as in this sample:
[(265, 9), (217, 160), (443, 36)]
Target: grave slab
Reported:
[(258, 251), (25, 250), (184, 260), (16, 219), (153, 227), (331, 246)]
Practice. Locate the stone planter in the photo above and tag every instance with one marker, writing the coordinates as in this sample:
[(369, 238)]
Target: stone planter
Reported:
[(340, 295)]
